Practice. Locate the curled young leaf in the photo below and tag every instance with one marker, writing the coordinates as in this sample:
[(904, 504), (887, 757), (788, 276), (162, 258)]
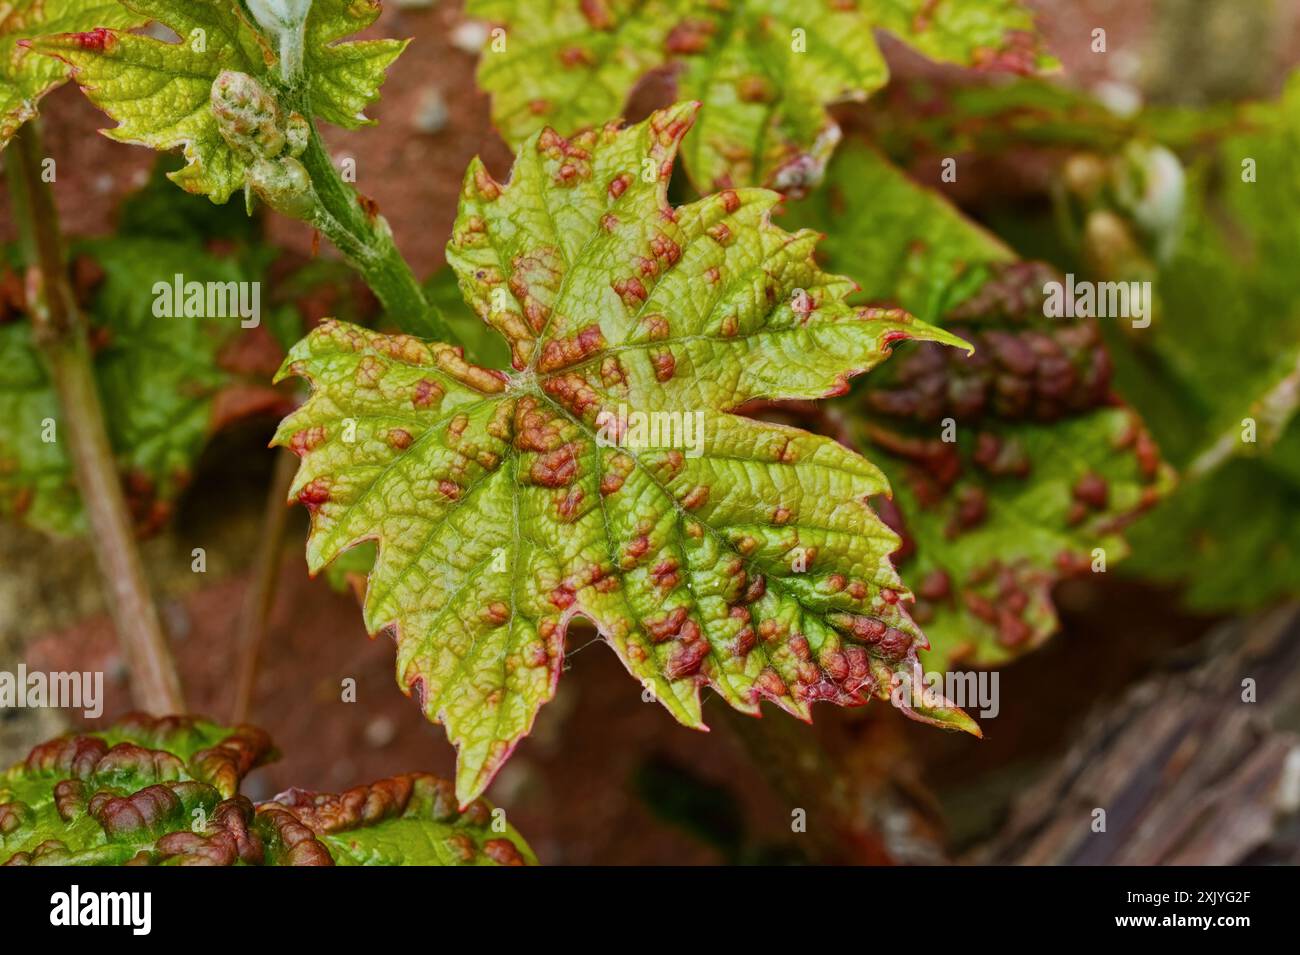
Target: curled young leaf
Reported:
[(132, 793), (165, 791), (606, 474)]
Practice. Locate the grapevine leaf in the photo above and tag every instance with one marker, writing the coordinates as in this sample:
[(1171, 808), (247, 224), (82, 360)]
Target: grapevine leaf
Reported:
[(405, 820), (901, 242), (160, 380), (345, 76), (1222, 347), (1043, 469), (483, 346), (130, 794), (25, 77), (351, 570), (159, 92), (766, 68), (35, 475), (738, 555), (986, 548), (1218, 373), (1230, 537), (166, 792), (917, 120)]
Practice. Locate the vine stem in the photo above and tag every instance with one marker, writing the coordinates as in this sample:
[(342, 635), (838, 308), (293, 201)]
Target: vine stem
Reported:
[(364, 238), (59, 330), (261, 590)]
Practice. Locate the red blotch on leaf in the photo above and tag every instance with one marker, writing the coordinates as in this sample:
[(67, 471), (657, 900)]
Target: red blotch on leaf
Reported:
[(597, 14), (618, 185), (314, 494), (427, 393), (665, 365), (98, 40), (692, 35), (557, 468), (306, 440)]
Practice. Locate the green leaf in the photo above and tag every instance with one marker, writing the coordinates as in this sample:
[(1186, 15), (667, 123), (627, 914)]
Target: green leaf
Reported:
[(901, 243), (483, 346), (766, 68), (1044, 469), (986, 547), (166, 792), (345, 76), (1223, 351), (35, 474), (26, 77), (1231, 537), (130, 794), (350, 571), (406, 820), (506, 503), (921, 119), (159, 381), (159, 92)]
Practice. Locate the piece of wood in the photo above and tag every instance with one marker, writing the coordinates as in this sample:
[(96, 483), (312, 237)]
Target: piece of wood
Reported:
[(1185, 768)]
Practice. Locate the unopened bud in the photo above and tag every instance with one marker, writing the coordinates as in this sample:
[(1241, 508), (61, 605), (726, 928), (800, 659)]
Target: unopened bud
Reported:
[(297, 131), (283, 184), (247, 115), (1109, 245), (1150, 186), (1084, 175)]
